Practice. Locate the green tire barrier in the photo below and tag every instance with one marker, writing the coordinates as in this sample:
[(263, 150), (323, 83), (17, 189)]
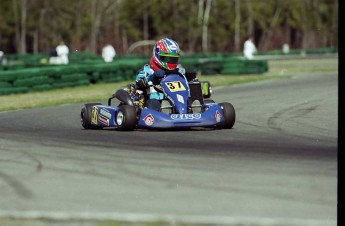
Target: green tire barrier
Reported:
[(61, 76), (27, 72), (42, 87), (13, 90), (34, 81), (60, 85), (233, 66), (191, 63), (111, 77), (93, 77), (17, 61), (8, 76), (329, 50), (72, 77), (20, 61), (5, 85), (211, 67)]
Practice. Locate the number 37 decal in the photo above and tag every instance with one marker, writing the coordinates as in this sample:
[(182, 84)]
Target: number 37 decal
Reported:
[(175, 86)]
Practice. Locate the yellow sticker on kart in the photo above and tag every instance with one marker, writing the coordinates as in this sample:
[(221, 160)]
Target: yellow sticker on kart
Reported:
[(94, 115), (175, 86)]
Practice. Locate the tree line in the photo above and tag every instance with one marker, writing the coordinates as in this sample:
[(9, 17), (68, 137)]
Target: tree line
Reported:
[(36, 26)]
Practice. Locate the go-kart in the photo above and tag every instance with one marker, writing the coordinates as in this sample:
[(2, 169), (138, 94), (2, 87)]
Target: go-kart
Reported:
[(184, 105)]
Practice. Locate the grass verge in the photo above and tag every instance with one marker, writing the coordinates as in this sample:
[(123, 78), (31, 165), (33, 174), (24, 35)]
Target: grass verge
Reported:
[(99, 92)]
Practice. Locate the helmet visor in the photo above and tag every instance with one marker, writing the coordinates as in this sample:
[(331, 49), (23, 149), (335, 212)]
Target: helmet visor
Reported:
[(169, 59)]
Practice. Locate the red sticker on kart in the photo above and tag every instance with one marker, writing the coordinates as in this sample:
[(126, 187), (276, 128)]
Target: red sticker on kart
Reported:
[(175, 86), (103, 120), (149, 119)]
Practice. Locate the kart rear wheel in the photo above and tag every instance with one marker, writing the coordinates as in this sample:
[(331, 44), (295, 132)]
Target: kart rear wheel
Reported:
[(229, 115), (86, 115), (126, 118)]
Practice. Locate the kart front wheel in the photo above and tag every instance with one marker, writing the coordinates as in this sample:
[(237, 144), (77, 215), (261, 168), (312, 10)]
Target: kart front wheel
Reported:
[(229, 115), (86, 116), (126, 118)]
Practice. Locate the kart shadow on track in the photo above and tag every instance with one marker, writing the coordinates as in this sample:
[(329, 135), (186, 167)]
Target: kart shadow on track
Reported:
[(181, 129)]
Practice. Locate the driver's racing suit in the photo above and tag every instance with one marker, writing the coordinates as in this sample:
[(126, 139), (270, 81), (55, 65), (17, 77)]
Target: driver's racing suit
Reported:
[(147, 75)]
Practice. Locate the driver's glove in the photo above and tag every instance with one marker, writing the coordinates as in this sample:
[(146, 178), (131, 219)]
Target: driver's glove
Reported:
[(141, 84)]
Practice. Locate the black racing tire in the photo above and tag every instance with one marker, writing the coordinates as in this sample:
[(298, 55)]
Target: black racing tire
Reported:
[(229, 115), (126, 118), (86, 115)]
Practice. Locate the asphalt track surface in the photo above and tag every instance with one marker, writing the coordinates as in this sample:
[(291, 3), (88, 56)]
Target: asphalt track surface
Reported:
[(277, 166)]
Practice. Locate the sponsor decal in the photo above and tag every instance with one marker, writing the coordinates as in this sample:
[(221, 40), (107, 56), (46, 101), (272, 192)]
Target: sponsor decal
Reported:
[(103, 120), (173, 47), (105, 113), (161, 45), (94, 114), (180, 98), (149, 119), (185, 116), (218, 116), (175, 86)]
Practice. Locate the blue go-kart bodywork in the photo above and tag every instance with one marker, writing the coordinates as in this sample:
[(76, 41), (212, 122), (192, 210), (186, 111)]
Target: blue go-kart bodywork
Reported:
[(183, 106)]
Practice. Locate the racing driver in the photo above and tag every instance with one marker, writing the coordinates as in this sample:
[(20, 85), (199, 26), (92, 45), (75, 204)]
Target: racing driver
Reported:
[(165, 57)]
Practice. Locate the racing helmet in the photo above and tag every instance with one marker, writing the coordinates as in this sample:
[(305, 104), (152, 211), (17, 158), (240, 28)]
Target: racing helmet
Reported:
[(166, 54)]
